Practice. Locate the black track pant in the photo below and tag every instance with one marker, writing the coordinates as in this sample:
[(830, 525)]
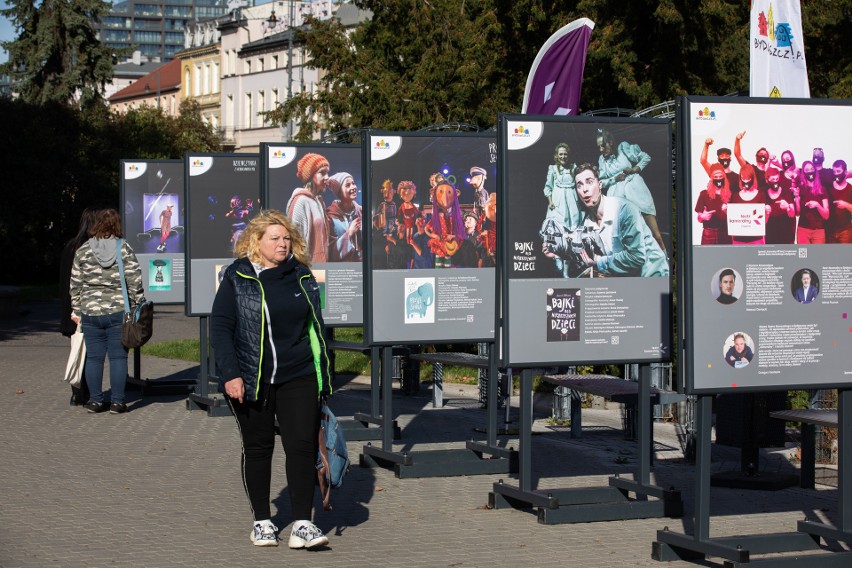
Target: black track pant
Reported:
[(296, 405)]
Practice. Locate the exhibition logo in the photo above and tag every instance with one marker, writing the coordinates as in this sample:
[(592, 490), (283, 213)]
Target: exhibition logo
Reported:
[(280, 156), (384, 147), (199, 165), (779, 37), (706, 114), (133, 170), (523, 134)]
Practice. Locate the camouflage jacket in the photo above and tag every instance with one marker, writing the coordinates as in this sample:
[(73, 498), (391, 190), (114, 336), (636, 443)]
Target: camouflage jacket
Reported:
[(95, 279)]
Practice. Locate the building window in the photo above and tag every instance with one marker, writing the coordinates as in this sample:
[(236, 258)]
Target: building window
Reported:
[(248, 66), (274, 63), (215, 87), (196, 81), (249, 111), (260, 106), (207, 79), (187, 83)]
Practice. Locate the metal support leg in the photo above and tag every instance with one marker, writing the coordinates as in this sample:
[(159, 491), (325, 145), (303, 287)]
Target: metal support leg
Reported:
[(492, 384), (375, 381), (702, 466), (646, 439), (387, 393), (524, 449), (844, 458)]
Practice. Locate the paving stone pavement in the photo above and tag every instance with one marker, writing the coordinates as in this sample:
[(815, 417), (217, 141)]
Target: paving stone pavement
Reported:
[(160, 485)]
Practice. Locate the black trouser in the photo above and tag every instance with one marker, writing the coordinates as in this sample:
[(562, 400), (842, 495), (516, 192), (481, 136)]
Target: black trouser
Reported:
[(296, 405)]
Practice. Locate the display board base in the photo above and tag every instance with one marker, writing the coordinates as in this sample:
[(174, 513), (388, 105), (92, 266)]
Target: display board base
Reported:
[(761, 481), (162, 386), (214, 405), (355, 430), (442, 463), (739, 550), (590, 504)]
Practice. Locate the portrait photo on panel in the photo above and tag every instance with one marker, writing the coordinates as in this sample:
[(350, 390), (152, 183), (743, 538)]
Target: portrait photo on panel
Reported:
[(738, 350), (726, 286), (805, 286)]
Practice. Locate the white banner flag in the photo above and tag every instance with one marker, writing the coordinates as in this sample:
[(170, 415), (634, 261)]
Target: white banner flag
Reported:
[(777, 48)]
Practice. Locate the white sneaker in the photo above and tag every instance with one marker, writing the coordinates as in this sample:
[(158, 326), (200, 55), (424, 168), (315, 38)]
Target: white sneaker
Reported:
[(306, 535), (264, 534)]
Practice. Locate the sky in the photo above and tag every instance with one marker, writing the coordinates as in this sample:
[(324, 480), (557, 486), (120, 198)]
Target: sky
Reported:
[(6, 34)]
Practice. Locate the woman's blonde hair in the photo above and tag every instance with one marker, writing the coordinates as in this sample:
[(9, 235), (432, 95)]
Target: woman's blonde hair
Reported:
[(247, 245)]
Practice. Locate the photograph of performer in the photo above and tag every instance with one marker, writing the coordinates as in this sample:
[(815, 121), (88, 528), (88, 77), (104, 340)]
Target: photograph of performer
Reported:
[(306, 208), (387, 208), (710, 210), (408, 211), (723, 155), (761, 161), (622, 244), (751, 194), (480, 194), (447, 227), (727, 283), (165, 226), (811, 206), (781, 222), (344, 219), (559, 188), (400, 253), (840, 205), (739, 354), (423, 256), (620, 168), (806, 287)]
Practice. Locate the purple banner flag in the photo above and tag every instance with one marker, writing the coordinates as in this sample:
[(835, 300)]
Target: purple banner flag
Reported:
[(556, 76)]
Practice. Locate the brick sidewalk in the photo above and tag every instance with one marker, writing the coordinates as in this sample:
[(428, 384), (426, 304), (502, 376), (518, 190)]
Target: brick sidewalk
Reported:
[(160, 486)]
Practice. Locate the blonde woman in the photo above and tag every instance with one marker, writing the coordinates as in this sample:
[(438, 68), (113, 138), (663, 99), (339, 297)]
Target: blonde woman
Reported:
[(267, 333)]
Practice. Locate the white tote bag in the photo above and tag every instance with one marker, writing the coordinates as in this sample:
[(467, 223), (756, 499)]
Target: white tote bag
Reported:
[(76, 359)]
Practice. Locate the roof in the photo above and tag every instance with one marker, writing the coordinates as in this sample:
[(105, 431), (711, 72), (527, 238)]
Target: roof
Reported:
[(164, 78)]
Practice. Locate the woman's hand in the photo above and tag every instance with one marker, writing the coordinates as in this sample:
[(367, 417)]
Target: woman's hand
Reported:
[(75, 318), (236, 388)]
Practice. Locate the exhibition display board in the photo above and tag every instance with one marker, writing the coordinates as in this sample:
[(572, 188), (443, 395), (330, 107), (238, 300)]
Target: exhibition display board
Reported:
[(222, 194), (432, 205), (766, 267), (153, 219), (312, 183), (586, 212)]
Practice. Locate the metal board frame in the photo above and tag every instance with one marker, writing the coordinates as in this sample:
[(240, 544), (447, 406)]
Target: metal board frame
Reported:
[(792, 345), (340, 279), (555, 312), (213, 184), (148, 187), (466, 294)]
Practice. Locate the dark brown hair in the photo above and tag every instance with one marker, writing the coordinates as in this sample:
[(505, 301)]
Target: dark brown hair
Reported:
[(107, 224)]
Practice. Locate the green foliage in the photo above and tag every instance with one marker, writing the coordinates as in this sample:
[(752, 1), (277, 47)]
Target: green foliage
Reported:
[(420, 63), (56, 56), (62, 160)]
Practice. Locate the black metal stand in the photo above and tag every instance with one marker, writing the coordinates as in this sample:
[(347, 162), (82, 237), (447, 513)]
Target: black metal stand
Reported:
[(580, 505), (738, 550), (362, 426), (440, 463), (156, 386), (205, 398)]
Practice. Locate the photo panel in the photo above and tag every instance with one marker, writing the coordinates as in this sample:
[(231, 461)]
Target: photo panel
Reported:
[(153, 221), (319, 186), (222, 194), (767, 222), (586, 216), (431, 202)]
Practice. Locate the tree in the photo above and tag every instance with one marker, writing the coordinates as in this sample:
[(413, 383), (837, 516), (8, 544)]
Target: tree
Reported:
[(420, 63), (62, 159), (56, 56)]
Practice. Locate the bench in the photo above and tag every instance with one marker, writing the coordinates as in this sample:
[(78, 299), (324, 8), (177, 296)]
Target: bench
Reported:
[(808, 418), (438, 360), (612, 388)]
